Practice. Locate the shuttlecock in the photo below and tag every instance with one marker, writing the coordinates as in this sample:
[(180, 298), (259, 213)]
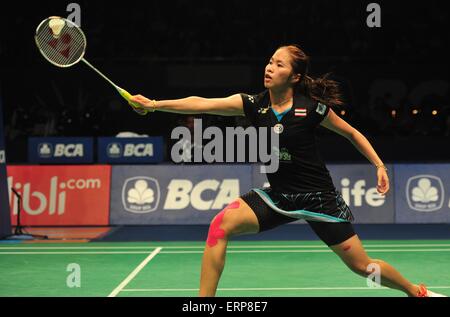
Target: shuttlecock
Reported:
[(56, 24)]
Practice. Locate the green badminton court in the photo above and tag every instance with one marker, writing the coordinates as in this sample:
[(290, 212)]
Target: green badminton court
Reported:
[(262, 268)]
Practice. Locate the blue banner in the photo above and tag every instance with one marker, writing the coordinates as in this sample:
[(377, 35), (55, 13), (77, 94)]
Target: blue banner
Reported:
[(193, 194), (422, 193), (56, 150), (5, 220), (174, 194), (130, 150)]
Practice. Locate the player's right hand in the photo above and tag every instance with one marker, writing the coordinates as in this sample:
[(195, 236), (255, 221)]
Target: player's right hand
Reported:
[(141, 104), (138, 109), (142, 101)]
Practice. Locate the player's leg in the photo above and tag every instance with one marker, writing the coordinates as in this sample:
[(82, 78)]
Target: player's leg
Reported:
[(248, 214), (355, 257), (341, 238), (237, 218)]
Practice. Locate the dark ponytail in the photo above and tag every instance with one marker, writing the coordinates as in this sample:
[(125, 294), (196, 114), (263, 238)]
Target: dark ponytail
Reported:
[(320, 89)]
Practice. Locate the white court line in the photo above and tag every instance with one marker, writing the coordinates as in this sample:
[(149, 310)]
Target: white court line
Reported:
[(229, 251), (134, 273), (267, 289), (312, 251), (229, 247), (310, 246)]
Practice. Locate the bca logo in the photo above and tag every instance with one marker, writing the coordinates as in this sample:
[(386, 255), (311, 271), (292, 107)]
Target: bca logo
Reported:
[(68, 150), (140, 194), (114, 150), (138, 150), (45, 150), (425, 193)]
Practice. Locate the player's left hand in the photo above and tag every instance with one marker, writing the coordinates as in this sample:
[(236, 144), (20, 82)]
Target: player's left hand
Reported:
[(382, 182)]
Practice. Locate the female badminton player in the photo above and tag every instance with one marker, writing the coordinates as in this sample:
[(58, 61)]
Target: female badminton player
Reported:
[(295, 104)]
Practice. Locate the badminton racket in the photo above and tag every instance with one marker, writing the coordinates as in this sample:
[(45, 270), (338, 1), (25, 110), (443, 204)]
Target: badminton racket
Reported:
[(63, 44)]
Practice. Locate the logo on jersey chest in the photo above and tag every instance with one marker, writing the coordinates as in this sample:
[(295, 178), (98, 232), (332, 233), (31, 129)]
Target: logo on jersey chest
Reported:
[(263, 110), (278, 128), (283, 154)]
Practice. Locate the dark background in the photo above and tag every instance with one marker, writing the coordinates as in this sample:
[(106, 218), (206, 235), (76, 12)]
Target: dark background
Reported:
[(173, 49)]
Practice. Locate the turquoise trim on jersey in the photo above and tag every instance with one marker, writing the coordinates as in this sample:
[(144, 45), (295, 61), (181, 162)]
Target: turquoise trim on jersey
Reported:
[(298, 214), (280, 115)]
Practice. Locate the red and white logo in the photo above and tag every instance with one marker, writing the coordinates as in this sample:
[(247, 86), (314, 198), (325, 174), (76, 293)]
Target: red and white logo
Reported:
[(60, 195)]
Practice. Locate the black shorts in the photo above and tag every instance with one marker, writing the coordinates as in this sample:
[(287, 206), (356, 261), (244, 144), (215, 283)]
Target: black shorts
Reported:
[(329, 204)]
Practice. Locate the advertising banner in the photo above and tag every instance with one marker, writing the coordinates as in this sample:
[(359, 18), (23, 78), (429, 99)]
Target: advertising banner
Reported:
[(422, 193), (130, 150), (58, 150), (174, 194), (193, 194), (60, 195)]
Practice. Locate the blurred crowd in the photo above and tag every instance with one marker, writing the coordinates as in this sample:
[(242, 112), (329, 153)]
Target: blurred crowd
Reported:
[(230, 32)]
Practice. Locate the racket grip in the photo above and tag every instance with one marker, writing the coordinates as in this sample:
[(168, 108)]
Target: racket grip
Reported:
[(136, 107)]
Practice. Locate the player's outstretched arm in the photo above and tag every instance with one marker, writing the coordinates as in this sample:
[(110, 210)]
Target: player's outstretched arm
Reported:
[(229, 106), (338, 125)]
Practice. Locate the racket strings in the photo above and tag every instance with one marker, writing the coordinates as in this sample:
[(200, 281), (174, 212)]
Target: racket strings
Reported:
[(63, 44), (66, 49)]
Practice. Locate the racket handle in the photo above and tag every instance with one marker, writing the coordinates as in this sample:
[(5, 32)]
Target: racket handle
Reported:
[(136, 107)]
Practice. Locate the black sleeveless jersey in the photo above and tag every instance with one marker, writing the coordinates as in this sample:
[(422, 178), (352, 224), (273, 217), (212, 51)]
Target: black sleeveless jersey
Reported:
[(301, 169)]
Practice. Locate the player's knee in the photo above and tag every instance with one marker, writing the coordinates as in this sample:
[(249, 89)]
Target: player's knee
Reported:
[(222, 226), (360, 267)]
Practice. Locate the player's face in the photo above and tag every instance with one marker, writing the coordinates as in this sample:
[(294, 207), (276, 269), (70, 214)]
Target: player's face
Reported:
[(278, 73)]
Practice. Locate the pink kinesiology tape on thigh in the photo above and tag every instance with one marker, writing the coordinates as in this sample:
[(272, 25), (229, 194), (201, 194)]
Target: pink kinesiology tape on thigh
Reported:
[(215, 233)]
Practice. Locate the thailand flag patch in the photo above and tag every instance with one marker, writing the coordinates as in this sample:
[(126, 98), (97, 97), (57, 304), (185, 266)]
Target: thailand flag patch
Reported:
[(300, 112)]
